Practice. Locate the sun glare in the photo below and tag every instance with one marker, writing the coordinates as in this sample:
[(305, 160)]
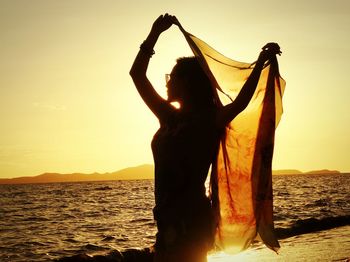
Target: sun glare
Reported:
[(222, 257), (176, 105)]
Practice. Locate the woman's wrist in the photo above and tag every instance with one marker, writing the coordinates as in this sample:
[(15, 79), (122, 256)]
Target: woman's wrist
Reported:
[(264, 56), (152, 39), (260, 62), (147, 49), (147, 46)]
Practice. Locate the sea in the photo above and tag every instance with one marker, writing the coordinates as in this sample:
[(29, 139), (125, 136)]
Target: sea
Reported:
[(44, 222)]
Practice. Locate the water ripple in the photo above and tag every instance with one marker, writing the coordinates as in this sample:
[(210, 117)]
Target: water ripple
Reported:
[(48, 221)]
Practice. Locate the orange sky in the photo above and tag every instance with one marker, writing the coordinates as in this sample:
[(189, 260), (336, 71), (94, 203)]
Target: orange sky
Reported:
[(67, 103)]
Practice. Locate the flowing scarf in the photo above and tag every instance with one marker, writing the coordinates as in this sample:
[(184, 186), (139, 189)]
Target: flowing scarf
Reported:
[(241, 179)]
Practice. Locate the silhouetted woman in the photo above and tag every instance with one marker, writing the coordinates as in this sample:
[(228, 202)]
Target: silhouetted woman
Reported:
[(185, 146)]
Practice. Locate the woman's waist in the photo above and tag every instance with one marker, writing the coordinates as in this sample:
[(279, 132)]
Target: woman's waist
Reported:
[(181, 205), (174, 191)]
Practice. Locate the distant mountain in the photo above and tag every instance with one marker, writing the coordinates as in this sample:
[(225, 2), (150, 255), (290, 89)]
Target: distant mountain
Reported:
[(131, 173), (297, 172), (323, 172), (287, 172)]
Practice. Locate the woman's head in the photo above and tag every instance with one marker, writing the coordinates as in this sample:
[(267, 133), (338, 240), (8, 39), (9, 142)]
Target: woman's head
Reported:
[(188, 84)]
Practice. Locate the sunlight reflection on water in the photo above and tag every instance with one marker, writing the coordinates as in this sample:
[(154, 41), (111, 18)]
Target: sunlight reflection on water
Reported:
[(326, 245), (38, 221), (222, 257), (246, 256)]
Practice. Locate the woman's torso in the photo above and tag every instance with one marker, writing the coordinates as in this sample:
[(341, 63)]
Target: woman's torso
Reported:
[(183, 149)]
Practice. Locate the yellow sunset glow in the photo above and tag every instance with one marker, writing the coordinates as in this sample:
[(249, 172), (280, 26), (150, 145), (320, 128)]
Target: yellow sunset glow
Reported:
[(68, 103)]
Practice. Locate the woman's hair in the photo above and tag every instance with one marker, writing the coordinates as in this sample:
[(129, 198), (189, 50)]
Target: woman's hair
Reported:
[(200, 90), (199, 87)]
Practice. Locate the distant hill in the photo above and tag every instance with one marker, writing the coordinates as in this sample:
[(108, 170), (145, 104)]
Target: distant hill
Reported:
[(138, 172), (298, 172), (287, 172), (131, 173), (323, 172)]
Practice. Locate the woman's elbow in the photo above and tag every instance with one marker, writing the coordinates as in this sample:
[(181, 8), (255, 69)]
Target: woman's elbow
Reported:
[(136, 73), (132, 72)]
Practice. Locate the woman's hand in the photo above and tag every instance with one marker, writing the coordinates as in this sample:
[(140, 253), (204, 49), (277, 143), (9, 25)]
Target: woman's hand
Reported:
[(163, 23), (268, 51), (273, 48)]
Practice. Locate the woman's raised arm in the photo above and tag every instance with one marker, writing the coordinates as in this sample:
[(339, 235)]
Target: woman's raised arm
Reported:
[(154, 101), (230, 111)]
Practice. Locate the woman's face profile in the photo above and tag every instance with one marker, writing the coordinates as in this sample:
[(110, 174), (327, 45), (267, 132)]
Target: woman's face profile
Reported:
[(174, 86)]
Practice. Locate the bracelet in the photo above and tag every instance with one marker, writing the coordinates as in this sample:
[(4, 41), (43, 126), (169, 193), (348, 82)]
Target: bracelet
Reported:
[(146, 50)]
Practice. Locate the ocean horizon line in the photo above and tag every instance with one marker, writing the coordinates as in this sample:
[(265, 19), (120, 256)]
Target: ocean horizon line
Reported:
[(140, 172)]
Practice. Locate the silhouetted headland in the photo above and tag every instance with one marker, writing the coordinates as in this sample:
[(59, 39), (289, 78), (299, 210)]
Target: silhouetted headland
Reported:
[(298, 172), (131, 173)]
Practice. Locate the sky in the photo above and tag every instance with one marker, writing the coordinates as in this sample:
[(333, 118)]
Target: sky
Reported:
[(68, 104)]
